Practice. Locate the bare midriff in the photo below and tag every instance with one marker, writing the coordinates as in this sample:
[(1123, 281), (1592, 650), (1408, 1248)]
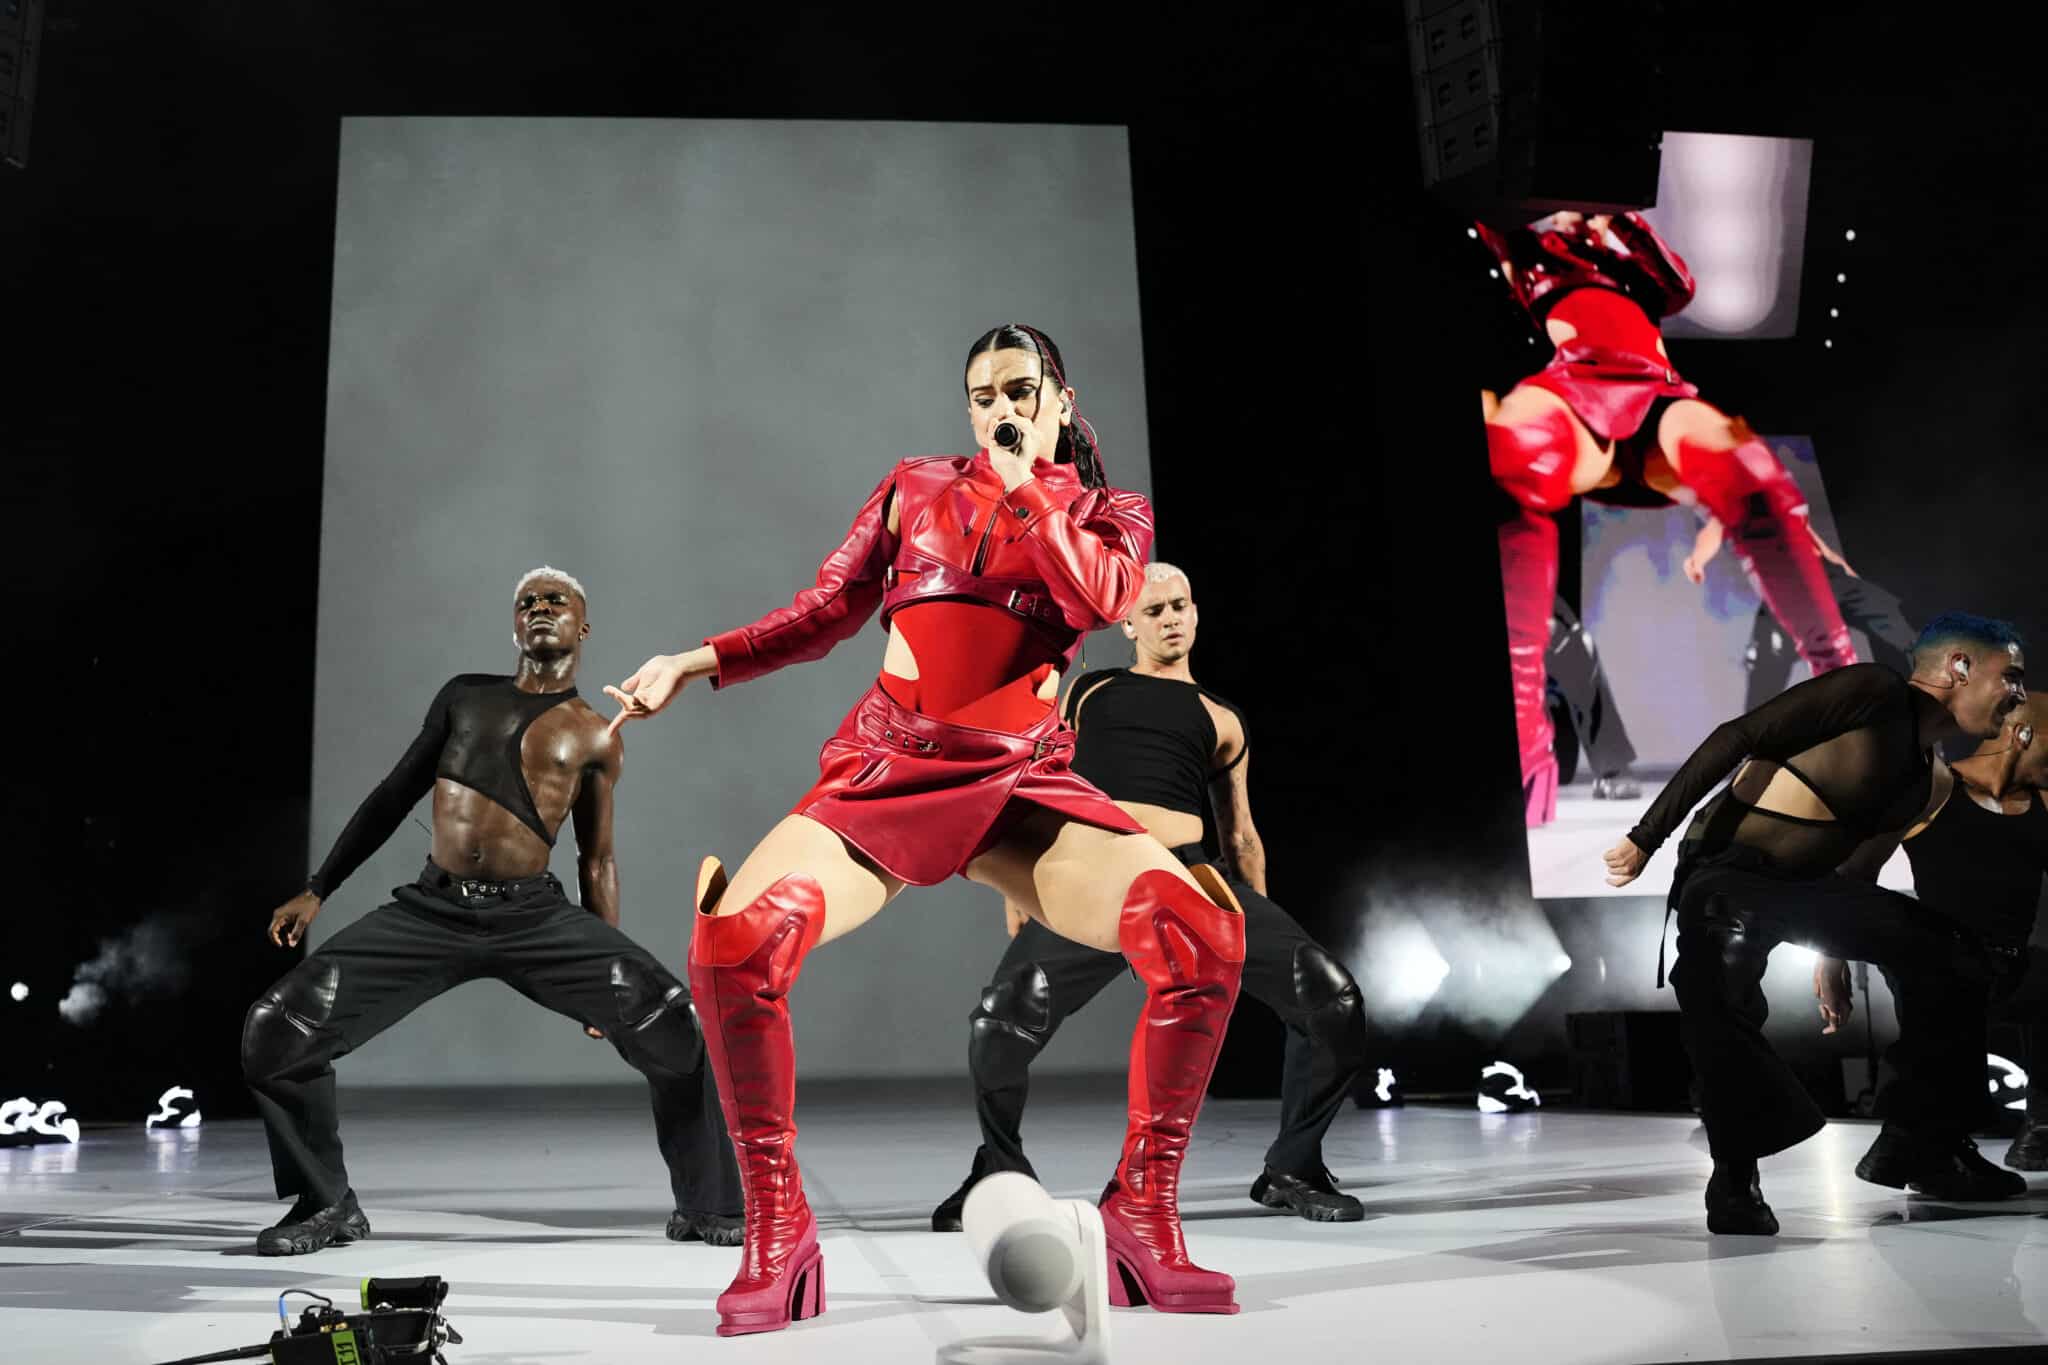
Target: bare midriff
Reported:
[(969, 663)]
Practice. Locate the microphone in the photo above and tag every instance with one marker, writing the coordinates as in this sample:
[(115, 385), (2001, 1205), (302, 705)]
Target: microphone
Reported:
[(1008, 436)]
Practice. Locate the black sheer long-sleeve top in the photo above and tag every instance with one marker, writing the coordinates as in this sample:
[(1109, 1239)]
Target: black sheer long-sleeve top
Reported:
[(1851, 735), (471, 735)]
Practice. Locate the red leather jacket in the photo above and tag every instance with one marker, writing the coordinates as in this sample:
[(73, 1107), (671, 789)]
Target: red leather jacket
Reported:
[(1069, 558), (1547, 265)]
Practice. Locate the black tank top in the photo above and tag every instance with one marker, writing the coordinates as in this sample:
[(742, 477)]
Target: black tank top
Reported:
[(1148, 740), (1981, 869)]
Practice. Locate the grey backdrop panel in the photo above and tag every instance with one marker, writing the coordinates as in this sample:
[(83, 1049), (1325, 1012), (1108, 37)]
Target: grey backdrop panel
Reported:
[(672, 358)]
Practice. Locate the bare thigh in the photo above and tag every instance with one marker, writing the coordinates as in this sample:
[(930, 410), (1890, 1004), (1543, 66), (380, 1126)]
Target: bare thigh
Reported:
[(1071, 877), (1591, 458), (1698, 422), (855, 889)]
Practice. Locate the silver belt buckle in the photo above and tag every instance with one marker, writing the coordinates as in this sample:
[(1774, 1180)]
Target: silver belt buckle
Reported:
[(1018, 600)]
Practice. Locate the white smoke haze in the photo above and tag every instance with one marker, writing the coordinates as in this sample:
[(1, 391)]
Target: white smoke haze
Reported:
[(150, 959), (1453, 942), (82, 1003)]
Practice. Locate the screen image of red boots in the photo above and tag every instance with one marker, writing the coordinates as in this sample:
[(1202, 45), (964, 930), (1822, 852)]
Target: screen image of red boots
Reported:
[(1710, 571)]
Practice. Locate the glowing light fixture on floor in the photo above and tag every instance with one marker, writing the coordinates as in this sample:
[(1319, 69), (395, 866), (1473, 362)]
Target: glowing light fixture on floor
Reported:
[(25, 1119), (175, 1108), (1502, 1090), (1377, 1088), (2006, 1078)]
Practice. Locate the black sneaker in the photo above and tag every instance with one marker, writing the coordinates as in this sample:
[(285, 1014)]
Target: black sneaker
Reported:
[(713, 1229), (1940, 1170), (1314, 1197), (946, 1217), (2029, 1151), (1735, 1202), (307, 1228)]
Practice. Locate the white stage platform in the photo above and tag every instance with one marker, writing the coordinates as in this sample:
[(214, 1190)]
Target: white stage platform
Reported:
[(1545, 1237)]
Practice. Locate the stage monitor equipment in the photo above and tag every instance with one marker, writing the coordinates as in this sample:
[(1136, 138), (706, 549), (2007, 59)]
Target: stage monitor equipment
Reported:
[(1527, 106), (1628, 1059)]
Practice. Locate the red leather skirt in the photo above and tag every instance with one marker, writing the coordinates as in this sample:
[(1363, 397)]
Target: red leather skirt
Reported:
[(923, 798), (1610, 390)]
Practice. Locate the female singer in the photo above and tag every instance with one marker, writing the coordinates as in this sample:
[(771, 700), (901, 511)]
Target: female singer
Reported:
[(988, 572)]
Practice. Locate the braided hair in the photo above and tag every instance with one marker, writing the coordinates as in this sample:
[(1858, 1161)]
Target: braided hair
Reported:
[(1077, 445)]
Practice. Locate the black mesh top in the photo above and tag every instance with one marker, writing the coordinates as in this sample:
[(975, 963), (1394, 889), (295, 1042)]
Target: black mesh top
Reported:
[(471, 735), (1851, 735), (1148, 739), (1981, 868)]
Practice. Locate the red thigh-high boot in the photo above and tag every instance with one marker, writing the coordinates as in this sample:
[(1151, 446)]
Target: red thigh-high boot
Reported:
[(1188, 949), (1532, 462), (1528, 587), (741, 968), (1764, 514)]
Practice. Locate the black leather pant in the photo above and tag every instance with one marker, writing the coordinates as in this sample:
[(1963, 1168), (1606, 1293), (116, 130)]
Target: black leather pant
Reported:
[(1043, 978), (395, 959), (1572, 668), (1729, 919)]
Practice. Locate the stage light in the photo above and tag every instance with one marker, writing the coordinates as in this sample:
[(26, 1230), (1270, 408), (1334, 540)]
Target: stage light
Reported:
[(1829, 343), (1850, 235), (23, 1117), (1803, 958), (1834, 312), (2005, 1075), (170, 1113), (1473, 233), (1493, 274), (1398, 967), (1377, 1088), (1502, 1090), (1418, 971), (19, 991), (1561, 964), (1841, 278)]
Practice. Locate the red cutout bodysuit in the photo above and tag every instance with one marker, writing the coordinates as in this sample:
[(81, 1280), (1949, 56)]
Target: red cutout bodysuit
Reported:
[(994, 592)]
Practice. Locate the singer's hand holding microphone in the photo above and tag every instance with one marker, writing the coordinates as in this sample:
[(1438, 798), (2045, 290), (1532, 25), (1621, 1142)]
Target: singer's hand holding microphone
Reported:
[(1012, 446)]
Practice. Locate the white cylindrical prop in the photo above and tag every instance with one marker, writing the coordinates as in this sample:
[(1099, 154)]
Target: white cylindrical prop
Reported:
[(1028, 1248)]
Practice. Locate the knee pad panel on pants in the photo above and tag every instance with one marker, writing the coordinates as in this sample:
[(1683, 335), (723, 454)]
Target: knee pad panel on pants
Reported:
[(654, 1015), (280, 1027), (1332, 1010), (1016, 1008)]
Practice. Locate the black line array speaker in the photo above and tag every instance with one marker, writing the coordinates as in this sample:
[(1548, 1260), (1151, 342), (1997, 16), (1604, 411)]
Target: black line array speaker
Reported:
[(1528, 106), (21, 37)]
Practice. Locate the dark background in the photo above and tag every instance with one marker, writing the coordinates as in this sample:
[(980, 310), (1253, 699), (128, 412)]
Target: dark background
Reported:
[(1314, 331)]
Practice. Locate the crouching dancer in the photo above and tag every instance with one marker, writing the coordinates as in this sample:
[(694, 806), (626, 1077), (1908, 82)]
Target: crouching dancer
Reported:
[(507, 759)]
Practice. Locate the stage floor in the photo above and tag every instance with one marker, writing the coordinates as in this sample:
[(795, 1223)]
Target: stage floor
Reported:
[(1544, 1237)]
